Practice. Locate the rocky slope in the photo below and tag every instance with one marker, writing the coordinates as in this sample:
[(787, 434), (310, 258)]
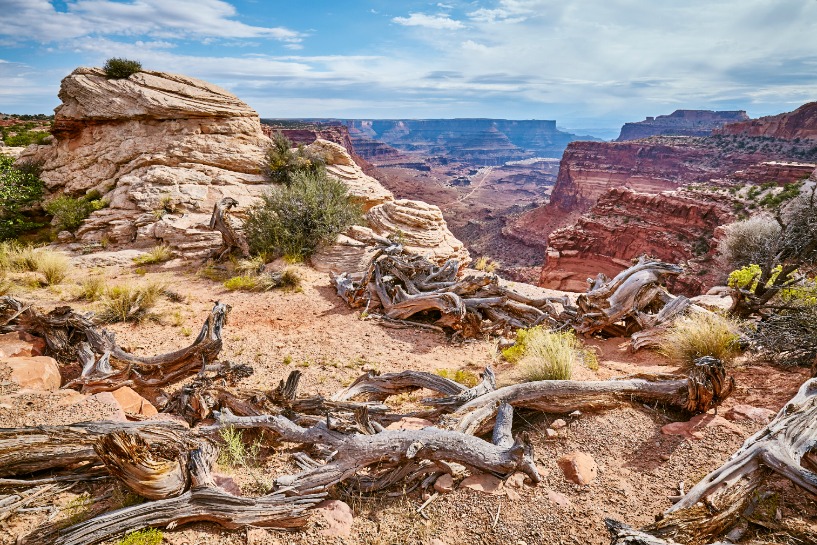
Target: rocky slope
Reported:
[(681, 123), (164, 148), (801, 123)]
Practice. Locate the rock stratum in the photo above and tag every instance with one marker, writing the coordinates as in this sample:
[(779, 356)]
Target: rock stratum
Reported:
[(616, 200), (681, 123), (163, 148)]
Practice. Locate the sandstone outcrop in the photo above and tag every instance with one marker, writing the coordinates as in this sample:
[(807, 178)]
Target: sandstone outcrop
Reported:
[(681, 123), (624, 224), (164, 148), (801, 123), (418, 226)]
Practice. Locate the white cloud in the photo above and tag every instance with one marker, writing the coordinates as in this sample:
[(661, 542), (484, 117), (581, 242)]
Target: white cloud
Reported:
[(39, 20), (438, 22)]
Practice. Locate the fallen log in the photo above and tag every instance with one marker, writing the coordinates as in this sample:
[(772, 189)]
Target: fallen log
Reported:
[(352, 453), (204, 501), (706, 387)]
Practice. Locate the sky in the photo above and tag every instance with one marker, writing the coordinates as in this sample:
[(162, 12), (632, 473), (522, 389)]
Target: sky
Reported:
[(588, 64)]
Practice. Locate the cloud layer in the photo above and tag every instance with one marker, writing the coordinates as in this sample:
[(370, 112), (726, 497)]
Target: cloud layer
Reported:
[(594, 63)]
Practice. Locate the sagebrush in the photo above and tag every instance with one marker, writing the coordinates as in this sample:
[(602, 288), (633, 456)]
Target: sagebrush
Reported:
[(546, 355), (701, 334), (283, 162)]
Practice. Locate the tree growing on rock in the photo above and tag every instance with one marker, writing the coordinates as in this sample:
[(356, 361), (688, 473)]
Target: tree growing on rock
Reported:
[(119, 68), (284, 161)]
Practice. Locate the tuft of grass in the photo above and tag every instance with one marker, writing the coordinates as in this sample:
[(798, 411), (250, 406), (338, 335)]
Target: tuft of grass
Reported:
[(463, 376), (187, 331), (158, 254), (486, 264), (242, 283), (547, 355), (148, 536), (54, 266), (78, 509), (701, 334), (129, 302), (287, 279), (235, 452), (92, 289), (15, 257)]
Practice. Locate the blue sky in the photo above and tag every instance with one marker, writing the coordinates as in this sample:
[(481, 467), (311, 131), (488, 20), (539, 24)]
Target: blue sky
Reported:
[(585, 63)]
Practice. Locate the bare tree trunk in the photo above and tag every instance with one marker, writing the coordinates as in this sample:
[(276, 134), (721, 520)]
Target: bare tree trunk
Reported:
[(231, 238)]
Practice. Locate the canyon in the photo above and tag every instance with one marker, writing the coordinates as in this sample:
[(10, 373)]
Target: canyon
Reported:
[(681, 123)]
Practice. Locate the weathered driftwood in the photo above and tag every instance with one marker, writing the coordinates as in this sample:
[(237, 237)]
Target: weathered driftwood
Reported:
[(231, 238), (715, 506), (707, 386), (403, 287), (377, 387), (353, 453), (72, 337), (204, 501)]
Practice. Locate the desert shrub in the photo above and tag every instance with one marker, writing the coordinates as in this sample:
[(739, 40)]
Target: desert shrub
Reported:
[(283, 162), (294, 220), (25, 138), (157, 254), (701, 334), (54, 266), (463, 376), (148, 536), (749, 241), (546, 355), (129, 302), (788, 337), (70, 212), (20, 187), (119, 68)]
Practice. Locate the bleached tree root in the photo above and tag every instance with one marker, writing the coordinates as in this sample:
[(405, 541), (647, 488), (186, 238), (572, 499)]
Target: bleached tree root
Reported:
[(787, 447), (204, 501), (352, 453), (707, 386)]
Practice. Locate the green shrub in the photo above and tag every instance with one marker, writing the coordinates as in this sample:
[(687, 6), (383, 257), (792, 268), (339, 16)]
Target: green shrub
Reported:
[(294, 220), (70, 212), (463, 376), (25, 138), (701, 334), (20, 187), (287, 279), (282, 162), (118, 68), (148, 536)]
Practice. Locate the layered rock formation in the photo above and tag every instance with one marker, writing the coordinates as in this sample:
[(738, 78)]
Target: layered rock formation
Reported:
[(801, 123), (672, 226), (164, 148), (681, 123)]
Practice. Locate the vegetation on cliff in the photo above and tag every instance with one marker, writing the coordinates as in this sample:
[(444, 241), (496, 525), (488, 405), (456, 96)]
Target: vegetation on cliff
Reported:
[(20, 188), (119, 68), (283, 161)]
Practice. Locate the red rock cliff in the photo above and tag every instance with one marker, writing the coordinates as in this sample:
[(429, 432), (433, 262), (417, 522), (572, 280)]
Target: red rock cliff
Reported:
[(801, 123)]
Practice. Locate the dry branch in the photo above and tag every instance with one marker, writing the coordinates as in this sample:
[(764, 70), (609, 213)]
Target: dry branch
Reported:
[(231, 238)]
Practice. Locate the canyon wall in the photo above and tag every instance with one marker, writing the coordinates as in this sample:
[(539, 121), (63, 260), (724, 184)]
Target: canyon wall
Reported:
[(801, 123), (681, 123)]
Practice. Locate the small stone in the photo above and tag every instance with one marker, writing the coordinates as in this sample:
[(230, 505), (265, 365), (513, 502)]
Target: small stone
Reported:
[(227, 483), (748, 412), (558, 498), (34, 373), (665, 457), (482, 482), (517, 480), (20, 345), (337, 516), (551, 434), (133, 403), (444, 484), (578, 467), (576, 414), (65, 237), (438, 541), (558, 424), (694, 428)]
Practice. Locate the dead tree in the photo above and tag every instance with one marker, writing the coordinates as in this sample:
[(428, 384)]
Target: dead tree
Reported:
[(786, 447), (231, 238), (72, 337)]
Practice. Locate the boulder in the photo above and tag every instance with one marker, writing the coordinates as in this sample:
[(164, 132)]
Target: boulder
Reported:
[(103, 406), (337, 518), (133, 403), (748, 412), (483, 482), (20, 344), (578, 467), (444, 483), (695, 427), (33, 373)]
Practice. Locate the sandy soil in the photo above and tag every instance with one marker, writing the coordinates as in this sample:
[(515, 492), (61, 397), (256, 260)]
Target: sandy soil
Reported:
[(312, 330)]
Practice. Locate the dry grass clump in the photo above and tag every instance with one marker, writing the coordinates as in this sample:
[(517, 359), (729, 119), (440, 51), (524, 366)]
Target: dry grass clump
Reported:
[(129, 302), (486, 264), (546, 355), (701, 334), (158, 254), (91, 289), (287, 279), (463, 376), (53, 266)]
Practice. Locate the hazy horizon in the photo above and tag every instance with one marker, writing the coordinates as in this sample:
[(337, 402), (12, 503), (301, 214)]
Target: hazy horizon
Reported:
[(591, 66)]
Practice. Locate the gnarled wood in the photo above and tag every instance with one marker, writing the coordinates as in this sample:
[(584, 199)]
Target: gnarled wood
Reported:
[(380, 387), (231, 238)]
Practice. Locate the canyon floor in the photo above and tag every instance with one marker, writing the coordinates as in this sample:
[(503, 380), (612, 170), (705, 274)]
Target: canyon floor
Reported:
[(312, 329)]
